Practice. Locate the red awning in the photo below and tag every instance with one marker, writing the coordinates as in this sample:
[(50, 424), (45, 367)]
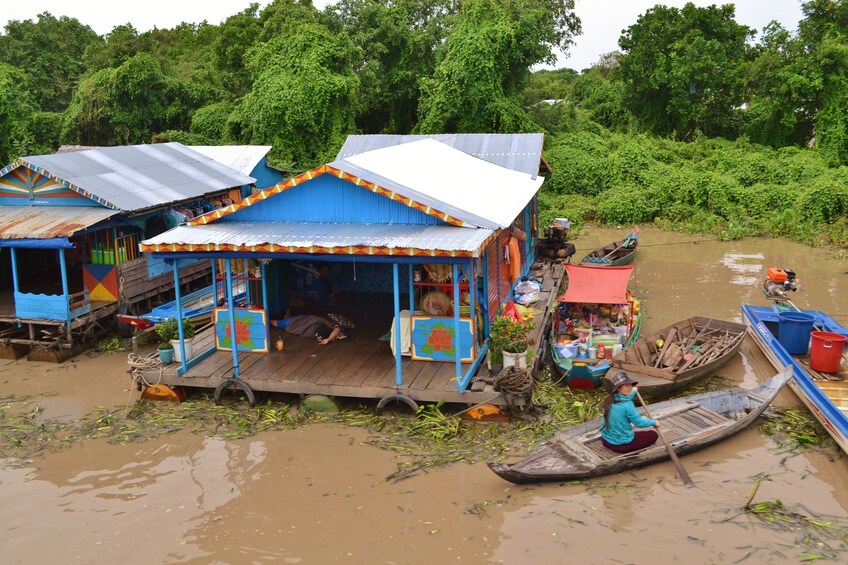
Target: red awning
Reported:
[(596, 285)]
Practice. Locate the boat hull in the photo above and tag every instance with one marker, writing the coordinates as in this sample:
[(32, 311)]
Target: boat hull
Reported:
[(762, 326), (722, 415), (658, 383), (617, 253)]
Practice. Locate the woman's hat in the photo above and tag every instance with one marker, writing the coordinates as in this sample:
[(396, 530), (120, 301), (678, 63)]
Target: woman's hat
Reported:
[(622, 378)]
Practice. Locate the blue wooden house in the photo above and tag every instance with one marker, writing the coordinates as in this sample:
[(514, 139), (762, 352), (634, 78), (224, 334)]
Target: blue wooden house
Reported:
[(408, 239), (70, 224)]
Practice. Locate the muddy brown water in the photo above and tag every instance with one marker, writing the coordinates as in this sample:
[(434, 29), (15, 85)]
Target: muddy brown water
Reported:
[(317, 494)]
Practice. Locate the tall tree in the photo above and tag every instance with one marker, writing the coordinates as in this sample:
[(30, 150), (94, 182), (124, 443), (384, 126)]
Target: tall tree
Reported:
[(127, 105), (397, 40), (15, 110), (782, 92), (487, 58), (236, 36), (824, 33), (50, 51), (303, 99), (683, 68)]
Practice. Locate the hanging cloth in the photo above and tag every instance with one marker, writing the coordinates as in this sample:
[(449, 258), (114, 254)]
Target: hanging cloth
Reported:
[(514, 259)]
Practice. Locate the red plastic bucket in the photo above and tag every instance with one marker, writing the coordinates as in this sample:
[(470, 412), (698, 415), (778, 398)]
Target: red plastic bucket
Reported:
[(826, 351)]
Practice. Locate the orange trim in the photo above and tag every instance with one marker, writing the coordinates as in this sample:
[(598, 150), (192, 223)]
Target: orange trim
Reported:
[(315, 249)]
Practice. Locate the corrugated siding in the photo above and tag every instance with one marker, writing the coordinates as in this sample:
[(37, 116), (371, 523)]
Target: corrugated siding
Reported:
[(329, 199), (519, 152), (500, 283)]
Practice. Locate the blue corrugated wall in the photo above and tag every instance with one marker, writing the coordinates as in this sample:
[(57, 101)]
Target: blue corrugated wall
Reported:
[(329, 199)]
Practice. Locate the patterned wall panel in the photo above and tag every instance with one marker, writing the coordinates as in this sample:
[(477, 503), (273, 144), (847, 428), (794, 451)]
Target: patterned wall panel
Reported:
[(24, 183)]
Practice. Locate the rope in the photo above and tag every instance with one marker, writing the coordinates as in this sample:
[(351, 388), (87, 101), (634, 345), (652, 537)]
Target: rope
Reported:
[(138, 364), (514, 381)]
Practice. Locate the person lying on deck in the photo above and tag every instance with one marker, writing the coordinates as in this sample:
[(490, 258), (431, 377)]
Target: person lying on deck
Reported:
[(323, 329), (620, 415)]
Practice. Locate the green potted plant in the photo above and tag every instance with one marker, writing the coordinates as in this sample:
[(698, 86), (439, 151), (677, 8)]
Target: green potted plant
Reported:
[(509, 341), (166, 353), (169, 332)]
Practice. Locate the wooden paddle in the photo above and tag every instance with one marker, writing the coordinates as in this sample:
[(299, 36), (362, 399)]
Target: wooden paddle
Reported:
[(683, 474)]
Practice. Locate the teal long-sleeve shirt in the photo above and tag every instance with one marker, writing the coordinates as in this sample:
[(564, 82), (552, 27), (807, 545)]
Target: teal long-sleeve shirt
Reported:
[(622, 417)]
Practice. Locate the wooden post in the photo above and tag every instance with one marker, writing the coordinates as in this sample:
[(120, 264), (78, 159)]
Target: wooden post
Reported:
[(232, 310), (398, 344), (457, 352), (180, 332)]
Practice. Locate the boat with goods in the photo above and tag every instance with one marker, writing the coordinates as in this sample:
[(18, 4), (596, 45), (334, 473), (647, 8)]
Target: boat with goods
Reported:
[(688, 424), (595, 318)]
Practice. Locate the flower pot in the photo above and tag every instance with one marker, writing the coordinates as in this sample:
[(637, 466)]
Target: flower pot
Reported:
[(166, 356), (188, 350), (515, 359)]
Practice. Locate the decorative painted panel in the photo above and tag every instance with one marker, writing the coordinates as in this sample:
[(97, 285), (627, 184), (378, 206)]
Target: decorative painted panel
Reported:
[(434, 339), (251, 329), (101, 282), (22, 183)]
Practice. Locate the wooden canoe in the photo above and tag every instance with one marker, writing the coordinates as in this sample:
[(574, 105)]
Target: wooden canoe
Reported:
[(691, 349), (621, 252), (688, 423)]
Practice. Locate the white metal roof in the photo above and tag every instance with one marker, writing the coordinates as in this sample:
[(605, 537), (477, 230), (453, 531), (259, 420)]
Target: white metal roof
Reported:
[(516, 151), (310, 234), (242, 158), (137, 177), (476, 191), (41, 222)]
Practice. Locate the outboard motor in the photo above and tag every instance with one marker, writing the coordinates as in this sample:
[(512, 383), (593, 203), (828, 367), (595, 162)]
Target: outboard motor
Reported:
[(778, 283)]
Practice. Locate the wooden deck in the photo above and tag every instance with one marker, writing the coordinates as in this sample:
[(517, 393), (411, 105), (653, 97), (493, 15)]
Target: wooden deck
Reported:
[(361, 366)]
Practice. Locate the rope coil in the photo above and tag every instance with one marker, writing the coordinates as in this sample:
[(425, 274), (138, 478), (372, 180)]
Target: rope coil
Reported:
[(515, 381)]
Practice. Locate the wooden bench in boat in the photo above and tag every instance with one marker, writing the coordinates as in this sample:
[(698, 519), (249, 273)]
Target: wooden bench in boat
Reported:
[(689, 420)]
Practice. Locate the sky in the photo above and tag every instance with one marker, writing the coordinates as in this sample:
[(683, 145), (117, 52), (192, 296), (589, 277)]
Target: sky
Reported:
[(603, 20)]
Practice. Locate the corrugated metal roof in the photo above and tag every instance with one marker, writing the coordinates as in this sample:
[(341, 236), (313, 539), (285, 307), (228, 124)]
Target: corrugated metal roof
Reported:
[(309, 234), (516, 151), (476, 191), (42, 222), (137, 177), (242, 158)]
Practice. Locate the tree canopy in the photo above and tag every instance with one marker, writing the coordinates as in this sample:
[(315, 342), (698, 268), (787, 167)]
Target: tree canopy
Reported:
[(683, 68)]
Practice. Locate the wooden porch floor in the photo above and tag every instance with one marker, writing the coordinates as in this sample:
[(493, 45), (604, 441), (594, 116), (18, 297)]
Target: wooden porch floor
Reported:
[(361, 366)]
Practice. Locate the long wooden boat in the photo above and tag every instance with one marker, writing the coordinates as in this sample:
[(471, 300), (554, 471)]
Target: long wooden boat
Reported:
[(674, 357), (621, 252), (824, 394), (597, 307), (688, 423)]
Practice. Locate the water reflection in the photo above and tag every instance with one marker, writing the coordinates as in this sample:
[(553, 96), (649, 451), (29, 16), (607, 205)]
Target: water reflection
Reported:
[(747, 268)]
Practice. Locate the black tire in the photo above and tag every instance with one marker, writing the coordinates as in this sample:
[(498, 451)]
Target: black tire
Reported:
[(235, 383), (396, 398)]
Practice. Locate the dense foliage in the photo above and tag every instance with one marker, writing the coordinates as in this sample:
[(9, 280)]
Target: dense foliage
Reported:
[(698, 121)]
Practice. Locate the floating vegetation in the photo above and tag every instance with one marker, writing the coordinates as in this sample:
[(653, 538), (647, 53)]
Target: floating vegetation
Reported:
[(110, 346), (794, 429), (435, 436), (820, 536)]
